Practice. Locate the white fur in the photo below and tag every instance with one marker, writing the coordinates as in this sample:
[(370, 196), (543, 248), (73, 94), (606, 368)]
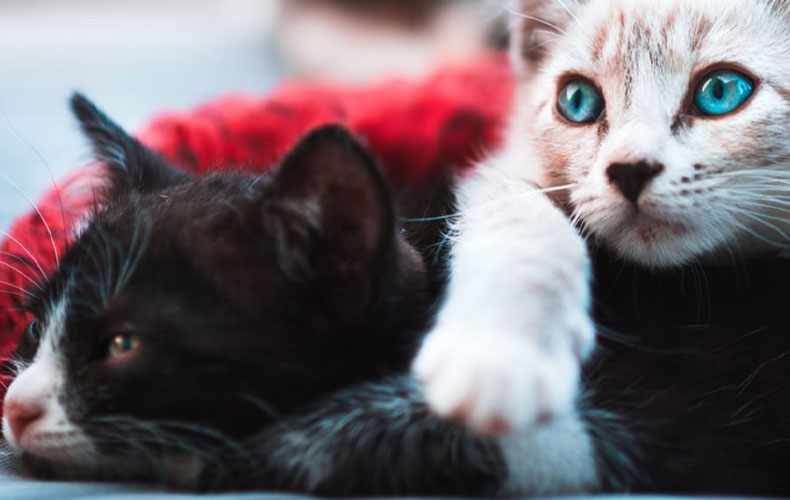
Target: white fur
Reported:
[(41, 384), (514, 325), (736, 199), (553, 459), (506, 347)]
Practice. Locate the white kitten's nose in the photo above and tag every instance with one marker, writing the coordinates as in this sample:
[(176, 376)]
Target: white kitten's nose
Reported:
[(20, 414), (632, 178)]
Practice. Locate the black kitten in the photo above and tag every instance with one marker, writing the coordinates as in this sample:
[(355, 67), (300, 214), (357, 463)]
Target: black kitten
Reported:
[(193, 327)]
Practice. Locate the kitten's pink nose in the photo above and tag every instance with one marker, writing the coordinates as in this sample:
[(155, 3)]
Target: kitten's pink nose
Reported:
[(631, 178), (20, 414)]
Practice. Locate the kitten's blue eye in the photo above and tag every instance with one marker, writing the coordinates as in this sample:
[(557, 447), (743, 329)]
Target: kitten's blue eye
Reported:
[(580, 102), (723, 92)]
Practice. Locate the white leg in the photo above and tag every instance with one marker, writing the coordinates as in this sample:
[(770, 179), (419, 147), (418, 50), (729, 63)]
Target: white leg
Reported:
[(506, 349)]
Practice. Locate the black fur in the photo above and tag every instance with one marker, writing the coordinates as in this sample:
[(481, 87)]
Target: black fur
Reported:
[(253, 297), (131, 165), (693, 365), (377, 439)]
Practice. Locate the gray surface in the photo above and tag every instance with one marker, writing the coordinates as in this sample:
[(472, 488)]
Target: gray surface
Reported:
[(133, 58), (15, 489), (13, 486)]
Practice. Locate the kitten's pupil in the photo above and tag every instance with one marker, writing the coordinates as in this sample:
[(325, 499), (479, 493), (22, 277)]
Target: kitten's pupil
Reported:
[(577, 99), (718, 89), (122, 343)]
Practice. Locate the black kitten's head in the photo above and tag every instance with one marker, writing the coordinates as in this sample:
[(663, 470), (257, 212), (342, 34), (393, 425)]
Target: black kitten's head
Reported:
[(191, 311)]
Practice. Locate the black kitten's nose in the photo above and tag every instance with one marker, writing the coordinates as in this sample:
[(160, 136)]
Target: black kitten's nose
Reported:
[(631, 178), (20, 414)]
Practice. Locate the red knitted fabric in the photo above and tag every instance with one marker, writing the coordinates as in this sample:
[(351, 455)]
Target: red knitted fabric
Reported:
[(414, 127)]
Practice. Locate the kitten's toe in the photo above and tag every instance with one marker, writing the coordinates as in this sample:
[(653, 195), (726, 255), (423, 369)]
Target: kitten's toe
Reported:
[(495, 386)]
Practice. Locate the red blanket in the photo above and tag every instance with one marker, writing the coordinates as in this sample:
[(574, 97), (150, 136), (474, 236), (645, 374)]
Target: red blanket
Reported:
[(414, 127)]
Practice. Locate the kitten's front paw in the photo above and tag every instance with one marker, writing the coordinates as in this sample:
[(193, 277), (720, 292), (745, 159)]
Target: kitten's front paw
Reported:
[(496, 383)]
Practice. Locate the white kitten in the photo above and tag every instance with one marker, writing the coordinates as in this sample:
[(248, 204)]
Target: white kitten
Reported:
[(668, 119), (695, 89)]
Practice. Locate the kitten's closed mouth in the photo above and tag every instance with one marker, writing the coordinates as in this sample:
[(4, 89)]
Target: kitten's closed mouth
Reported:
[(650, 228)]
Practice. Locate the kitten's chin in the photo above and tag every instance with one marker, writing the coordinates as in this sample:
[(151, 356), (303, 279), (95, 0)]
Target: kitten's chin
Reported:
[(656, 243)]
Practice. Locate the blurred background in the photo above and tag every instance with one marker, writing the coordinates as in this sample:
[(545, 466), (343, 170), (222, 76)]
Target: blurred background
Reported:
[(135, 58)]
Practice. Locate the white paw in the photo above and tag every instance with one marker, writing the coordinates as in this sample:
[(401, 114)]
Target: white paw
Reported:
[(496, 382)]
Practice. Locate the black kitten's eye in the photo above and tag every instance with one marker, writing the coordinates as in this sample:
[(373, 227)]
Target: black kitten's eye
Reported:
[(121, 344)]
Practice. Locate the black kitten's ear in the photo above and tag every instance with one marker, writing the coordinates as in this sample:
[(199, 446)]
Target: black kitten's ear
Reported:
[(335, 185), (132, 166), (537, 23), (336, 180)]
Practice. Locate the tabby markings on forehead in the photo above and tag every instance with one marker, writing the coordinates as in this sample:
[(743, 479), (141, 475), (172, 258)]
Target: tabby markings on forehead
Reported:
[(784, 92), (631, 41)]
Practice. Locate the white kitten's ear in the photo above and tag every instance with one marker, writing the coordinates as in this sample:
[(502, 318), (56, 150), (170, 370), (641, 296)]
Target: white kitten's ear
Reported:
[(536, 25)]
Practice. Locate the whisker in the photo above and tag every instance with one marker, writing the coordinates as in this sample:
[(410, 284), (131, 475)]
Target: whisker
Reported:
[(136, 250), (493, 204), (438, 248), (28, 252), (40, 216), (105, 265), (38, 154), (754, 172), (544, 43), (17, 294), (14, 286), (262, 405), (569, 11), (210, 446), (536, 19), (779, 203), (760, 220), (22, 274), (750, 231), (555, 35), (741, 204)]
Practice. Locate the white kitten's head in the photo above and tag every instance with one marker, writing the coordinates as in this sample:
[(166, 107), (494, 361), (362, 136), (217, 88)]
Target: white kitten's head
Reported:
[(670, 116)]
